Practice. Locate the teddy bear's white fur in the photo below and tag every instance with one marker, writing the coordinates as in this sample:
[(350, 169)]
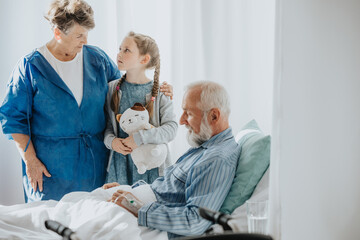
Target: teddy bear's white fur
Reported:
[(146, 156)]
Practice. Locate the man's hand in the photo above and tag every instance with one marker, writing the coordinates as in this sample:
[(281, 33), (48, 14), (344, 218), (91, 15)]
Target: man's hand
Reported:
[(167, 89), (35, 170), (127, 200), (130, 142), (110, 185), (118, 146)]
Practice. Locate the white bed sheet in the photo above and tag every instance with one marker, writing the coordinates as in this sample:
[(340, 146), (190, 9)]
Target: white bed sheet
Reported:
[(89, 214)]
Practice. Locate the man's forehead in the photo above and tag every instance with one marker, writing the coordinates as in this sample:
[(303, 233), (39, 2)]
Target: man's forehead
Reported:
[(191, 98), (193, 94)]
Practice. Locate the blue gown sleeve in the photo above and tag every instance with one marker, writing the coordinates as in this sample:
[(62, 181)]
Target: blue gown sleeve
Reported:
[(15, 111), (111, 69)]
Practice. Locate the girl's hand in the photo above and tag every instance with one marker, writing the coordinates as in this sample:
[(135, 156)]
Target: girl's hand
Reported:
[(130, 142), (110, 185), (118, 146), (167, 89)]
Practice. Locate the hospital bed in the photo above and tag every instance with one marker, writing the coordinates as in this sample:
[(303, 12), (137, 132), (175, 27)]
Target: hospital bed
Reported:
[(92, 217)]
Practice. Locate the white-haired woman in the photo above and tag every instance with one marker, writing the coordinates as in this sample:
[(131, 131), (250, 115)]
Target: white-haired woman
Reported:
[(54, 107)]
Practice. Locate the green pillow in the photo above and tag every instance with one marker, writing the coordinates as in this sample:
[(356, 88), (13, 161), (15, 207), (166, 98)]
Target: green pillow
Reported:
[(253, 162)]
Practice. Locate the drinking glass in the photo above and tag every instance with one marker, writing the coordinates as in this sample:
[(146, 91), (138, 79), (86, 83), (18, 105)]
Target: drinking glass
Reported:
[(257, 215)]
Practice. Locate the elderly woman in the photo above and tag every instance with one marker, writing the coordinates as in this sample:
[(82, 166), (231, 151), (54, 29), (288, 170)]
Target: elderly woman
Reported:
[(54, 107)]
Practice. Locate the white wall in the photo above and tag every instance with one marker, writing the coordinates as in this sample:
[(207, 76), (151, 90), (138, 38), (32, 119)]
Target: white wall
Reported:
[(17, 39), (229, 42), (317, 120)]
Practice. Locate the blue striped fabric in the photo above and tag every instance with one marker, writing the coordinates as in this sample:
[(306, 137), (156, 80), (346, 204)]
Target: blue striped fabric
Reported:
[(202, 177)]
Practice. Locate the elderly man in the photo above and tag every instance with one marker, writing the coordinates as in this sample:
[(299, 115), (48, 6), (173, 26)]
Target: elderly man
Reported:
[(200, 177)]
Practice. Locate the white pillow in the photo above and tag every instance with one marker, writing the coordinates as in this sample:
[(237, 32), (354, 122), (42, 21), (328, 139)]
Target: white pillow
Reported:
[(238, 223)]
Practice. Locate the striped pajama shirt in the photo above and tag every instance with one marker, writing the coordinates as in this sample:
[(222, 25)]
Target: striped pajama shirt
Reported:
[(202, 177)]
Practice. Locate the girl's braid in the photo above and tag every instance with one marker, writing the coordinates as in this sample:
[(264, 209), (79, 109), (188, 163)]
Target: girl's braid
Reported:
[(155, 89), (115, 101)]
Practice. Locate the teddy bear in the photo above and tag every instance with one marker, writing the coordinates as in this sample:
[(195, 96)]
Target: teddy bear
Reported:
[(146, 156)]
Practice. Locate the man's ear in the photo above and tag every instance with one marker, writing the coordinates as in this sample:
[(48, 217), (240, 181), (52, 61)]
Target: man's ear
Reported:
[(214, 116), (145, 59), (118, 116), (57, 33)]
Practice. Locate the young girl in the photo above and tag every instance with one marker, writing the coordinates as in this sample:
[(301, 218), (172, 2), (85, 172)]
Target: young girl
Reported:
[(136, 54)]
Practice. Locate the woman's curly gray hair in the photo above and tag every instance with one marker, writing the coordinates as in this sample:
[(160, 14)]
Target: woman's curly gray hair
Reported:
[(63, 14)]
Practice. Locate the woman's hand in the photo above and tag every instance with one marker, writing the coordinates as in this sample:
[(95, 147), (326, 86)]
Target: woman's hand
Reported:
[(35, 170), (118, 146), (110, 185), (167, 89), (127, 200), (34, 167), (130, 142)]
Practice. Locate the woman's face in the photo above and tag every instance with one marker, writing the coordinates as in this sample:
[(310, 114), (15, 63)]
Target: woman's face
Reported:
[(73, 41), (128, 57)]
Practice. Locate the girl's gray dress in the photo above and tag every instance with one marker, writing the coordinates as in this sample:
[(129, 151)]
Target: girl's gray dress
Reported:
[(121, 168)]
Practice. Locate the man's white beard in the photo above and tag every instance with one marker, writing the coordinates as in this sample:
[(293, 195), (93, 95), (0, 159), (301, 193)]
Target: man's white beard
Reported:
[(194, 139)]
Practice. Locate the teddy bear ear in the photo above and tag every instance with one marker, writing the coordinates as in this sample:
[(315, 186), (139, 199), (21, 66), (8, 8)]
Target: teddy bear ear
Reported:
[(138, 107), (118, 116)]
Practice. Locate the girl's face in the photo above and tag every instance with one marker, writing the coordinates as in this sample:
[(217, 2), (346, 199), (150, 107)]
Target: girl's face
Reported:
[(128, 57)]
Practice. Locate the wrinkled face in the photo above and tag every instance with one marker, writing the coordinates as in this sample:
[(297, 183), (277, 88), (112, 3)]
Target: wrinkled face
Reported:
[(192, 115), (128, 56), (196, 139), (73, 41), (194, 119), (132, 121)]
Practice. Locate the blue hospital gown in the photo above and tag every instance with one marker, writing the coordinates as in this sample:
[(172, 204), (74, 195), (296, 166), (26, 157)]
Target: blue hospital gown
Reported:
[(68, 138), (122, 168)]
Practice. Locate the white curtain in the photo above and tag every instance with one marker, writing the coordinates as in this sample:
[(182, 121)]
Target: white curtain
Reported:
[(315, 154), (227, 41)]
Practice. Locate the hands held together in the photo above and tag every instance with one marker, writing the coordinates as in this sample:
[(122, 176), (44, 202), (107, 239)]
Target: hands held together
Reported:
[(127, 145), (124, 145)]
